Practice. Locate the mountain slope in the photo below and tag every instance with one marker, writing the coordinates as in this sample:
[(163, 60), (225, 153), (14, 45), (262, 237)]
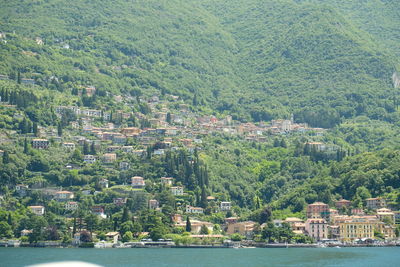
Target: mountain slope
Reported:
[(256, 60)]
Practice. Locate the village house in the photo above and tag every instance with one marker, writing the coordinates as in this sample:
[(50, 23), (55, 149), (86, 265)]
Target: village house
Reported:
[(153, 204), (299, 228), (111, 149), (119, 139), (375, 203), (71, 205), (356, 229), (90, 159), (28, 82), (385, 214), (127, 149), (318, 210), (26, 232), (21, 189), (317, 228), (37, 210), (139, 153), (70, 146), (243, 228), (40, 143), (64, 195), (196, 226), (225, 206), (159, 152), (137, 182), (357, 211), (98, 210), (333, 212), (113, 236), (190, 209), (343, 203), (109, 158), (103, 183), (123, 165), (167, 181), (90, 90), (119, 201), (292, 220), (130, 131), (177, 190)]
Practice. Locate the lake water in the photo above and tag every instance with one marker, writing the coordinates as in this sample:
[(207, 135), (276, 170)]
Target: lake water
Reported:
[(353, 257)]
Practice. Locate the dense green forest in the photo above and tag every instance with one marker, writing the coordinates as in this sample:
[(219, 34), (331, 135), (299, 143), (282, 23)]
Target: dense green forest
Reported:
[(328, 64), (256, 60)]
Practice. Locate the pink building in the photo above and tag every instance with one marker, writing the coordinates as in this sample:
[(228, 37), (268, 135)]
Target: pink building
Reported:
[(137, 182), (317, 229), (318, 210), (342, 203)]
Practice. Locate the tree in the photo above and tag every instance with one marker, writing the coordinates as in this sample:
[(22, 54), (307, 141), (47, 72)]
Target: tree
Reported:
[(26, 146), (5, 230), (265, 215), (6, 157), (93, 149), (204, 230), (125, 215), (157, 232), (35, 129), (168, 119), (86, 148), (236, 237), (59, 129), (85, 237), (126, 227), (188, 225), (127, 237)]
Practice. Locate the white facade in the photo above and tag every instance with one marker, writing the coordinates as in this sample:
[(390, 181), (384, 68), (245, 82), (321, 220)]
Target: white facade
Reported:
[(190, 209), (225, 206), (177, 190), (37, 210)]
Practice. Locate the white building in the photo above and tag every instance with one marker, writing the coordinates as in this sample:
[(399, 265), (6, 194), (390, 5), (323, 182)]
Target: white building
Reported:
[(103, 183), (225, 206), (37, 210), (90, 159), (70, 146), (71, 205), (177, 190), (190, 209)]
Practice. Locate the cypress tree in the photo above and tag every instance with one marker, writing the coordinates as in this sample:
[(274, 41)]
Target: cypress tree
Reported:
[(92, 149), (35, 129), (125, 215), (6, 157), (59, 129), (85, 148), (188, 225), (26, 148)]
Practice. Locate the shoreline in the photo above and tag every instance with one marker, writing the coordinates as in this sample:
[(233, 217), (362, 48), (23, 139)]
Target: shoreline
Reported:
[(241, 246)]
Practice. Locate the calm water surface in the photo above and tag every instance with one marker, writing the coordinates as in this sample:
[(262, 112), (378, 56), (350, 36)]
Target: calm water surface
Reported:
[(206, 257)]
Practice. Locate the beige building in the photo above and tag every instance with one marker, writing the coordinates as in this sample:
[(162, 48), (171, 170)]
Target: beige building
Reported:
[(64, 195), (386, 214), (244, 228)]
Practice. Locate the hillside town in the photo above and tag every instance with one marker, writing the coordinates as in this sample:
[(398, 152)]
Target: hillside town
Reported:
[(113, 139)]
